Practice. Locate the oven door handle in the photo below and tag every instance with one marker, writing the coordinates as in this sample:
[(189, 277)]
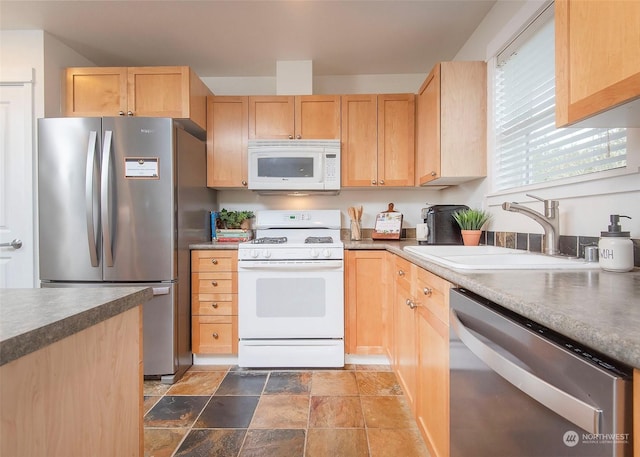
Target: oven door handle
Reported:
[(277, 265), (562, 403)]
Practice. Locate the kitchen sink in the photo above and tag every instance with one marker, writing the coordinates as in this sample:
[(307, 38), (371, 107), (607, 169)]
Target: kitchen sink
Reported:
[(496, 258)]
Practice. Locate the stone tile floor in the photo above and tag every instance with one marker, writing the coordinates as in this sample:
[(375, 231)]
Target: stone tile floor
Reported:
[(224, 411)]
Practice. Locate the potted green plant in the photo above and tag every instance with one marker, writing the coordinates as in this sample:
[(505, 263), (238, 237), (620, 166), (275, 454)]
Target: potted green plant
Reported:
[(234, 219), (471, 222)]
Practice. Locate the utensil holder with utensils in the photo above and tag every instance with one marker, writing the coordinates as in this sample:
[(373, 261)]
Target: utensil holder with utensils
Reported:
[(355, 215)]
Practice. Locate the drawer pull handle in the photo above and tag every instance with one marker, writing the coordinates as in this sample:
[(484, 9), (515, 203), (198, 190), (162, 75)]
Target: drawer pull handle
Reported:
[(214, 283), (400, 273), (427, 291), (214, 305), (215, 335), (214, 261)]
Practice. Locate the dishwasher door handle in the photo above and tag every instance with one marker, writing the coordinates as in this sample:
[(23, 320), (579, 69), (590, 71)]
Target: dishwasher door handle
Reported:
[(562, 403)]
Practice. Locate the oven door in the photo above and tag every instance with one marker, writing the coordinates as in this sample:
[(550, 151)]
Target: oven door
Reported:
[(290, 299)]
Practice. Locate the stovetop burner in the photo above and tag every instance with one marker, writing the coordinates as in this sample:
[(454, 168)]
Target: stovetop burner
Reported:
[(270, 240), (318, 240)]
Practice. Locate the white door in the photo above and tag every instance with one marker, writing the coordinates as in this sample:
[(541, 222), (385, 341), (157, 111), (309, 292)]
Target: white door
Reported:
[(17, 217)]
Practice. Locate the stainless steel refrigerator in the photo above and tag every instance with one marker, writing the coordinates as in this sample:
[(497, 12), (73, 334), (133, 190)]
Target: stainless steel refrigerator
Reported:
[(120, 200)]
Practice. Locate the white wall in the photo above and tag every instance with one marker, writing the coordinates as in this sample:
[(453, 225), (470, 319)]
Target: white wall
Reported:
[(47, 56)]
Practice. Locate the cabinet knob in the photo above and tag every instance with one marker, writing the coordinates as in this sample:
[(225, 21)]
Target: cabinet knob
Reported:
[(400, 273), (373, 182), (214, 305), (129, 113), (121, 113), (214, 261), (291, 137), (382, 182), (411, 304), (244, 183), (215, 335), (299, 137), (214, 283), (427, 291), (433, 173)]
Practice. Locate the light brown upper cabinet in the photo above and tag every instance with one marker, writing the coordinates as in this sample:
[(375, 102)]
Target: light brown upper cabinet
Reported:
[(175, 92), (309, 117), (227, 133), (378, 138), (451, 124), (597, 63)]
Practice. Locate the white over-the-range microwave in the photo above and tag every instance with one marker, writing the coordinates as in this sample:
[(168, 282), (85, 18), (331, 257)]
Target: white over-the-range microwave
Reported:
[(290, 166)]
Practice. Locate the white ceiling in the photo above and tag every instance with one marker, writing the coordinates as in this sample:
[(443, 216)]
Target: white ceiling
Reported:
[(246, 38)]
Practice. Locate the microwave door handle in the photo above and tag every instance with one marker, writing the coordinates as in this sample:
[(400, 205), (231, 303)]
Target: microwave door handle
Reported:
[(562, 403)]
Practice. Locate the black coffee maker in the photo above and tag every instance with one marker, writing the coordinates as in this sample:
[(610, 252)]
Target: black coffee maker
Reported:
[(442, 227)]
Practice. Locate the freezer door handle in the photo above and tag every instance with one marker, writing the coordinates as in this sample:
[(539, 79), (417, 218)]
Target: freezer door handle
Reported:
[(92, 235), (104, 199), (562, 403), (161, 291)]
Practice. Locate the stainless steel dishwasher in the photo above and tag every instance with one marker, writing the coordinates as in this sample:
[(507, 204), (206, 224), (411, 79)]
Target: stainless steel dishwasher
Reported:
[(519, 389)]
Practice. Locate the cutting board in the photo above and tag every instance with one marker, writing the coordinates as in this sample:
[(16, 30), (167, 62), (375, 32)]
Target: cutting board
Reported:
[(388, 225)]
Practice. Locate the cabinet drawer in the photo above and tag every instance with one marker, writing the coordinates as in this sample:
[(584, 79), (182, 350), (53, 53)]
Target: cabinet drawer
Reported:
[(209, 261), (214, 304), (403, 272), (214, 283), (215, 335), (433, 293)]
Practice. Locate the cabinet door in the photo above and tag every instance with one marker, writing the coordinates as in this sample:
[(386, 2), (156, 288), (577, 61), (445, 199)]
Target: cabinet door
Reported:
[(271, 117), (396, 139), (158, 91), (227, 133), (597, 61), (432, 399), (428, 128), (404, 339), (359, 140), (317, 117), (366, 310), (96, 91)]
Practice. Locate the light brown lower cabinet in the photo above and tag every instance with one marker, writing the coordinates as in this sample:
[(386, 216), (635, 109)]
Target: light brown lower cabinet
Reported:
[(432, 399), (366, 315), (214, 301), (405, 341), (80, 396), (420, 348)]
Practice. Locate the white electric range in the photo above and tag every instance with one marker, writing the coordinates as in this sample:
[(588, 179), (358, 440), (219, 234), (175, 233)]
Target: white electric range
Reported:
[(291, 291)]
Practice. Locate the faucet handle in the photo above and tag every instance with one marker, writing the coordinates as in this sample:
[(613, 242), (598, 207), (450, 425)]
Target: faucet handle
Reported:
[(537, 198)]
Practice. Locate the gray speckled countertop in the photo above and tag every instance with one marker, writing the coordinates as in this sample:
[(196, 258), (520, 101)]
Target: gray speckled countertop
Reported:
[(31, 319), (599, 309)]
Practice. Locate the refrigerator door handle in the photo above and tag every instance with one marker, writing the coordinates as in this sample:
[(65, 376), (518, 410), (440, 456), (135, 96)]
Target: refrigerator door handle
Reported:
[(161, 291), (92, 235), (104, 199)]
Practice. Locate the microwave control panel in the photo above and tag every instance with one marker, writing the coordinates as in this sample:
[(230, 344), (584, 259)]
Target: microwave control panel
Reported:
[(331, 170)]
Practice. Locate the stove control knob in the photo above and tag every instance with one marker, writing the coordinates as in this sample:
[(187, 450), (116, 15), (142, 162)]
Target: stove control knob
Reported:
[(267, 254), (314, 253), (254, 253), (326, 253)]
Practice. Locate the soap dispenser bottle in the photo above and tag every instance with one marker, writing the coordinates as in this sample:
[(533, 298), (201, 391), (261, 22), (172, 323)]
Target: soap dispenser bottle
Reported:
[(615, 247)]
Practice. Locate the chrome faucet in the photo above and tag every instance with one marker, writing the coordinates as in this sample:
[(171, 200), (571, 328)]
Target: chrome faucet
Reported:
[(550, 221)]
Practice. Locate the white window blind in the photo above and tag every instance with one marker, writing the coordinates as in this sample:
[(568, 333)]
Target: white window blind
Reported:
[(529, 148)]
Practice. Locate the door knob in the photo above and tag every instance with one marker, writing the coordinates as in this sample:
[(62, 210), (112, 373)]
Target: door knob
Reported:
[(15, 244)]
